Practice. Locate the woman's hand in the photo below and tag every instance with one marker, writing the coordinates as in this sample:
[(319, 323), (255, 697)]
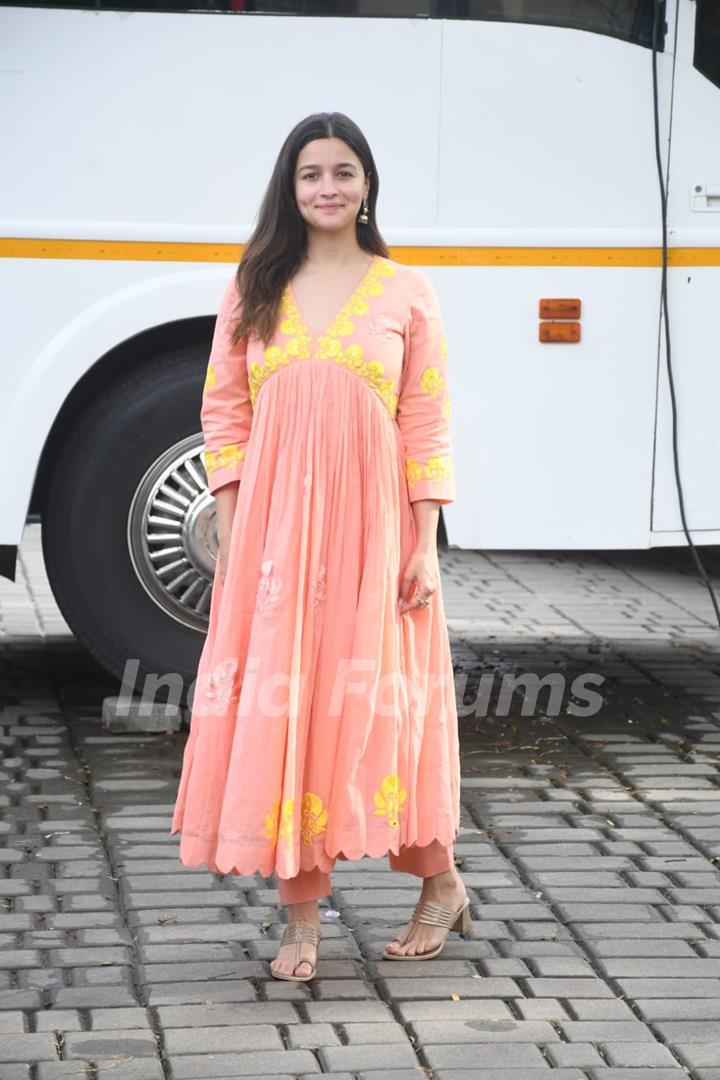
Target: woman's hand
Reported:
[(222, 558), (422, 569), (225, 502)]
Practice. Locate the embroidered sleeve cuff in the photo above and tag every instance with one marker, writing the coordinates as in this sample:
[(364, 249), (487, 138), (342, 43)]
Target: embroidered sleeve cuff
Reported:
[(431, 479), (224, 465)]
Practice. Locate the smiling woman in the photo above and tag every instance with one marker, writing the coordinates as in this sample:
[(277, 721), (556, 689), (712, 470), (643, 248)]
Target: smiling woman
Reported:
[(327, 591)]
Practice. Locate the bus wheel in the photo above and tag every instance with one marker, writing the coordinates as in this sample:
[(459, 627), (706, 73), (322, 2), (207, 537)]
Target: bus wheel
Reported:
[(128, 529)]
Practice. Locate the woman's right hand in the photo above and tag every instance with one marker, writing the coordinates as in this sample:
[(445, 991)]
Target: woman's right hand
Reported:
[(225, 502), (222, 558)]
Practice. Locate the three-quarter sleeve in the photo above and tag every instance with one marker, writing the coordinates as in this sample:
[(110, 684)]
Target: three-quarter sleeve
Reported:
[(226, 412), (423, 412)]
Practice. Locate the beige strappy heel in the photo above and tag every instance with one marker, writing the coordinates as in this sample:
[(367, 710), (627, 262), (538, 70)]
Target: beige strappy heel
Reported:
[(295, 933), (427, 911)]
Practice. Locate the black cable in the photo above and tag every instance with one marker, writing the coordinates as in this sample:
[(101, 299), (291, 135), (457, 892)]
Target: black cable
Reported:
[(657, 23)]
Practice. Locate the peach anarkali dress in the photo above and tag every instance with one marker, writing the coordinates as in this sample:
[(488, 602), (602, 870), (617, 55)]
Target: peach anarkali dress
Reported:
[(323, 721)]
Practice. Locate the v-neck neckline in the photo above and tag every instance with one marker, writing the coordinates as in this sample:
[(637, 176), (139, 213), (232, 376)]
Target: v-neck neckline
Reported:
[(309, 330)]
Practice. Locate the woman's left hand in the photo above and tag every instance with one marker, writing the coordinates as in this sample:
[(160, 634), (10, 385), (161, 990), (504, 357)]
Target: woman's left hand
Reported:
[(422, 570)]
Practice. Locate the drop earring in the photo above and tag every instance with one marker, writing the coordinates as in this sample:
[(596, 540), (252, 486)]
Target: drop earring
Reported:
[(363, 218)]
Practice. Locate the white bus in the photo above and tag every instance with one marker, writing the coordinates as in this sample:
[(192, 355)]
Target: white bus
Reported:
[(516, 147)]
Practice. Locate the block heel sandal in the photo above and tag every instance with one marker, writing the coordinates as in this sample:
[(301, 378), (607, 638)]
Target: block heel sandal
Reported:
[(435, 915)]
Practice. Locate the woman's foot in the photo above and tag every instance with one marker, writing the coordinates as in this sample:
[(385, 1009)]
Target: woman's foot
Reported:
[(415, 938), (285, 962)]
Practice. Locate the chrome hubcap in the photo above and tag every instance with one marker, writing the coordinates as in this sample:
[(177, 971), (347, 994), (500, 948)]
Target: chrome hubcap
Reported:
[(172, 534)]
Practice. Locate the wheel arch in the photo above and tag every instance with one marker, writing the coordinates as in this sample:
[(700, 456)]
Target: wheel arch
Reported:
[(131, 354)]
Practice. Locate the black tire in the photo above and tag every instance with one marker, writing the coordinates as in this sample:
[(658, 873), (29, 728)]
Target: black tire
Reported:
[(85, 519)]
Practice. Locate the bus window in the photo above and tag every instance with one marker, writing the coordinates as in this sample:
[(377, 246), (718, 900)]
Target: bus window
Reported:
[(707, 39), (630, 20)]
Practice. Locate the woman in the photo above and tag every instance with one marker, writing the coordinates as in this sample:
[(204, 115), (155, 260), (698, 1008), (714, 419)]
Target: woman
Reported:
[(324, 720)]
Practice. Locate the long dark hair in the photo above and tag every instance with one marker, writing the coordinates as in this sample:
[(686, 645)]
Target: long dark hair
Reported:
[(278, 243)]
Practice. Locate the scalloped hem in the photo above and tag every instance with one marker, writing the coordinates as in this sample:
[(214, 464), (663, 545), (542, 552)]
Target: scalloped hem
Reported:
[(324, 864)]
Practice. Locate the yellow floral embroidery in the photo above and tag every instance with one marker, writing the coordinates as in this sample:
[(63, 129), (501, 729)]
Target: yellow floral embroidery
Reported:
[(389, 798), (313, 817), (431, 381), (231, 454), (435, 468), (210, 378), (280, 830), (329, 344), (447, 412)]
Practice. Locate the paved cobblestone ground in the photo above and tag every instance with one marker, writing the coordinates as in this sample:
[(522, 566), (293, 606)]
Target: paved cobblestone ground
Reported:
[(590, 847)]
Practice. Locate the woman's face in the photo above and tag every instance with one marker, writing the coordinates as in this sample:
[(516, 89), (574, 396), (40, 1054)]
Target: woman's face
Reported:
[(329, 185)]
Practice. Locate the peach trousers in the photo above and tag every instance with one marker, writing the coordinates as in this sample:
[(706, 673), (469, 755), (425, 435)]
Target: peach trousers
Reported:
[(425, 861)]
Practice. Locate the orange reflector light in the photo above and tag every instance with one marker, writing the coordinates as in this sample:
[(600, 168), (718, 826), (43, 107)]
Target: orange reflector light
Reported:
[(560, 331), (561, 308)]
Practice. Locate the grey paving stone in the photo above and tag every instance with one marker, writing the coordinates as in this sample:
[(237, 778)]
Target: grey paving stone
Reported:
[(648, 930), (504, 1074), (471, 1009), (278, 1064), (580, 1055), (606, 1031), (198, 931), (172, 973), (699, 1055), (57, 1020), (540, 1009), (488, 1056), (91, 957), (93, 1045), (687, 1031), (20, 999), (340, 1012), (638, 1074), (660, 987), (310, 1036), (611, 1009), (634, 1055), (604, 913), (367, 1057), (568, 988), (110, 1019), (562, 966), (362, 1034), (381, 1074), (231, 1012), (223, 990), (92, 997), (658, 967), (418, 987), (484, 1031), (655, 947), (654, 1009), (12, 1022), (128, 1070), (27, 1048)]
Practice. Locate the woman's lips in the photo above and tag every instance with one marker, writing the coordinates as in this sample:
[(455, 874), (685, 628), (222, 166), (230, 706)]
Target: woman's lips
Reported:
[(330, 206)]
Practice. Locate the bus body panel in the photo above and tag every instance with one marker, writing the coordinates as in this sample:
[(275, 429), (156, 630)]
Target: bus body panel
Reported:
[(694, 306)]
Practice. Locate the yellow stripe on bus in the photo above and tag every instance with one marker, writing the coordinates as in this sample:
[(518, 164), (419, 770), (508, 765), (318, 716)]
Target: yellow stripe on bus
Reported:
[(149, 251)]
